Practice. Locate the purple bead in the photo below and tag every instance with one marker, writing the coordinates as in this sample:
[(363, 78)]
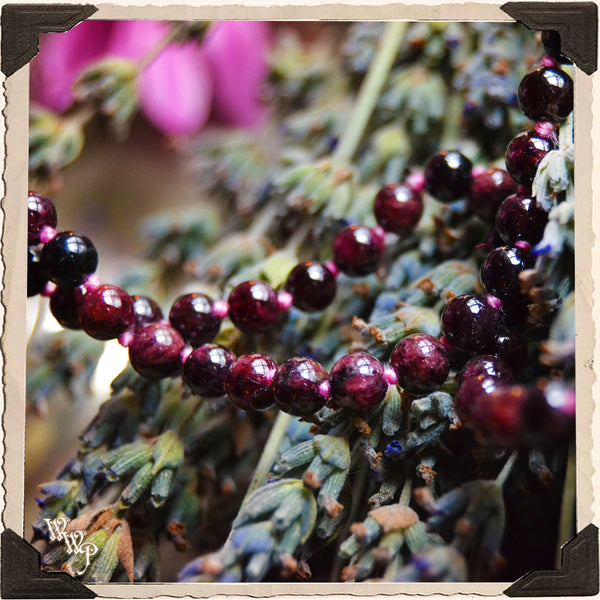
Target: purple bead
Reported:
[(525, 153), (421, 363), (398, 209), (106, 312), (312, 286), (512, 348), (488, 190), (155, 351), (500, 273), (249, 383), (36, 278), (471, 394), (68, 259), (358, 381), (40, 213), (520, 218), (551, 43), (546, 94), (296, 386), (470, 323), (448, 176), (254, 306), (64, 306), (145, 311), (357, 250), (484, 366), (207, 368), (192, 315)]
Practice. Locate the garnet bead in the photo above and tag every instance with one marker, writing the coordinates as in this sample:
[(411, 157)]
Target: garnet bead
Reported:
[(421, 363), (470, 323), (500, 273), (357, 250), (296, 386), (488, 190), (471, 393), (525, 153), (155, 351), (40, 213), (253, 306), (206, 370), (551, 43), (249, 382), (484, 366), (398, 208), (448, 176), (520, 218), (512, 348), (358, 381), (145, 311), (106, 312), (64, 306), (192, 315), (546, 94), (36, 279), (312, 286), (68, 259)]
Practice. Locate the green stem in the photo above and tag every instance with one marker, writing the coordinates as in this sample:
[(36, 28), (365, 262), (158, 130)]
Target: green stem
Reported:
[(371, 90)]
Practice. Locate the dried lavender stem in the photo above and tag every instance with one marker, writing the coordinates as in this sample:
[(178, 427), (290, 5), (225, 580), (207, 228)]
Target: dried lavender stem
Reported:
[(371, 90), (406, 491), (507, 468)]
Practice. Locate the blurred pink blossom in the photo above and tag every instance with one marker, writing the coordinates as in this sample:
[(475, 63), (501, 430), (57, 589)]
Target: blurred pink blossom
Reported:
[(181, 88)]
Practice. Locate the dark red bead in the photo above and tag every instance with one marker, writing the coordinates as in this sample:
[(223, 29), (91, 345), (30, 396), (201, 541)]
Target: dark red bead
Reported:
[(357, 250), (448, 176), (512, 348), (552, 46), (398, 209), (249, 383), (525, 153), (471, 393), (421, 363), (40, 213), (207, 368), (488, 190), (520, 218), (145, 311), (68, 259), (106, 312), (456, 357), (486, 365), (192, 315), (500, 273), (296, 386), (155, 351), (64, 306), (358, 381), (546, 94), (470, 323), (312, 286), (254, 306), (36, 278)]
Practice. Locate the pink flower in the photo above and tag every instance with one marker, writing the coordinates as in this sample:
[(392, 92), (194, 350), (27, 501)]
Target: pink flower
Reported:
[(181, 87)]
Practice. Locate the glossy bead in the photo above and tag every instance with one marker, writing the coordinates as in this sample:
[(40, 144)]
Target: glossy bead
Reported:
[(510, 347), (155, 351), (546, 94), (421, 363), (192, 315), (552, 46), (488, 189), (64, 306), (312, 286), (145, 311), (520, 218), (525, 153), (448, 176), (253, 306), (500, 272), (249, 382), (296, 386), (471, 393), (106, 312), (40, 213), (36, 279), (398, 209), (484, 366), (206, 370), (457, 358), (68, 259), (357, 381), (357, 250), (470, 323)]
